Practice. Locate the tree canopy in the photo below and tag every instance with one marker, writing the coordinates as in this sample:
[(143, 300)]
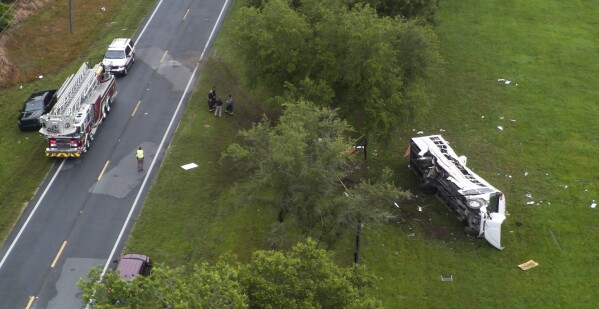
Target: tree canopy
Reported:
[(304, 277), (303, 162), (371, 66)]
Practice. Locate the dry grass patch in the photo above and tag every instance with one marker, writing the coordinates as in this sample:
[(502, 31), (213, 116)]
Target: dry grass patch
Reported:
[(32, 41)]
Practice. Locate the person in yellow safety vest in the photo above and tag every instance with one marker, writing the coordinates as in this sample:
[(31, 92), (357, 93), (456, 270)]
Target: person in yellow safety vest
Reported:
[(139, 154)]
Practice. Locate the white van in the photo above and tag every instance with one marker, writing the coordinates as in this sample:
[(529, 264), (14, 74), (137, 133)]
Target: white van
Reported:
[(119, 56)]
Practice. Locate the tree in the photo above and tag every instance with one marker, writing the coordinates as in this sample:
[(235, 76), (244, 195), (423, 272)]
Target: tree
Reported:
[(273, 42), (410, 9), (302, 163), (305, 277), (374, 67), (203, 286)]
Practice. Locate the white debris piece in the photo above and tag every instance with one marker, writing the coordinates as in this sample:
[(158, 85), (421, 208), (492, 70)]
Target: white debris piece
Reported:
[(103, 9), (507, 82), (513, 120), (189, 166), (530, 203), (525, 173), (395, 203), (441, 130), (500, 128), (482, 117), (528, 195), (501, 80), (565, 186), (419, 208), (420, 132), (593, 204), (501, 117), (41, 76)]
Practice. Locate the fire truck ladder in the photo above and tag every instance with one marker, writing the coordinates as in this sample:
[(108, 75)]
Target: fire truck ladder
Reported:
[(74, 91)]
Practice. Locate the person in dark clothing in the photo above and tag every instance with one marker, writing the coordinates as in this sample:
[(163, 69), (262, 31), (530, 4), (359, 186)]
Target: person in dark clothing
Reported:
[(219, 107), (211, 99), (229, 108)]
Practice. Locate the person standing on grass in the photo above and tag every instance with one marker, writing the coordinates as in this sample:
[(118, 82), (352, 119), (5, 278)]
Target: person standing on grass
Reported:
[(139, 154), (211, 99), (229, 108), (219, 107)]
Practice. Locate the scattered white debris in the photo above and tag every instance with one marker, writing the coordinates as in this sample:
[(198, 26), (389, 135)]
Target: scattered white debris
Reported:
[(525, 173), (41, 76), (446, 278), (419, 208), (593, 204), (513, 120), (500, 128), (501, 80), (482, 117), (546, 174), (507, 82), (516, 85), (103, 9), (412, 235), (189, 166), (565, 186), (395, 203), (501, 117), (21, 87), (508, 176), (530, 203), (441, 130), (420, 132), (528, 195)]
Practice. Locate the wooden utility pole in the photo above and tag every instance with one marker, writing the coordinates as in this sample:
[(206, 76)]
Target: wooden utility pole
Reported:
[(357, 253), (71, 15)]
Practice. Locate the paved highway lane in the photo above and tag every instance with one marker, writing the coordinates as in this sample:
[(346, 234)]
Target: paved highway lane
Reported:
[(86, 207)]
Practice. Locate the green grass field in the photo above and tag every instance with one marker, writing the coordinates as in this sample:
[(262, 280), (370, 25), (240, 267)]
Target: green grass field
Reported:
[(549, 122), (548, 48)]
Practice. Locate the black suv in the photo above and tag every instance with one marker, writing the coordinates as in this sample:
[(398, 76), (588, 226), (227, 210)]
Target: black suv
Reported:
[(38, 104)]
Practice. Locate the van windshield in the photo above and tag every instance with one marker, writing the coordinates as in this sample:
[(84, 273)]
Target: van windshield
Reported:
[(114, 54)]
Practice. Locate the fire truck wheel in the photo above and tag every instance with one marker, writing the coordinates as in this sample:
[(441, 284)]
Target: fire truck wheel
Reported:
[(107, 107)]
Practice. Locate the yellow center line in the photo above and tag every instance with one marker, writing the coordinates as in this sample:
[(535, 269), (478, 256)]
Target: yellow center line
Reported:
[(102, 172), (31, 299), (163, 55), (58, 254), (185, 16), (135, 109)]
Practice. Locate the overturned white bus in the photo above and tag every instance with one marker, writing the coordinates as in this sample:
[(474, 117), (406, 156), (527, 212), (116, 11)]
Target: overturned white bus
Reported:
[(471, 199)]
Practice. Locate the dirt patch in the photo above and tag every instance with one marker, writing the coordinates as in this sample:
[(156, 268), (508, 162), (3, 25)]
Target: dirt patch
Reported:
[(21, 11)]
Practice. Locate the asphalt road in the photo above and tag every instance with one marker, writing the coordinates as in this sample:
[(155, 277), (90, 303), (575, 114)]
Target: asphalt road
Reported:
[(84, 210)]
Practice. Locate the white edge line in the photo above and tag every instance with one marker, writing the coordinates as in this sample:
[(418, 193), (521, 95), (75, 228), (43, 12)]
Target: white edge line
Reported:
[(141, 189), (149, 20), (39, 201), (118, 240), (214, 29)]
